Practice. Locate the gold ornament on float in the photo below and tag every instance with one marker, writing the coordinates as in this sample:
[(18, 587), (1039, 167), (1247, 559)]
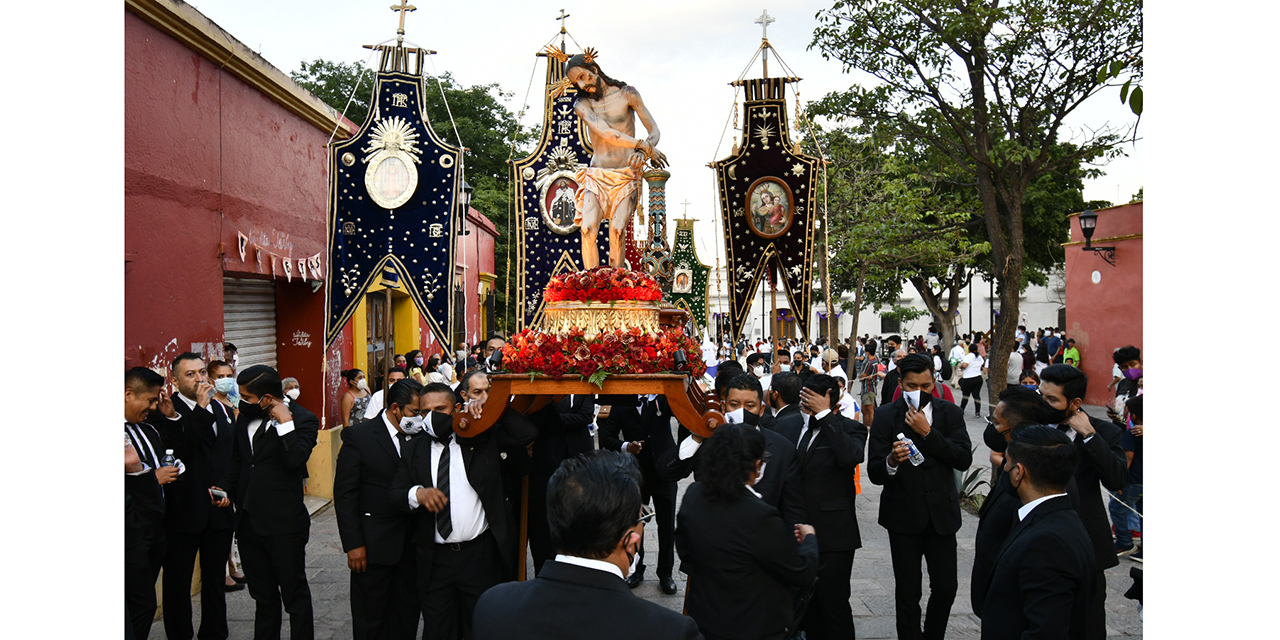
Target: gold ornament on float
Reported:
[(393, 150)]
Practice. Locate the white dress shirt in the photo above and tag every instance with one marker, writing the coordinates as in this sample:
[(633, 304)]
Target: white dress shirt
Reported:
[(651, 397), (395, 434), (375, 405), (805, 429), (928, 415), (465, 509), (1027, 508), (255, 424), (598, 565)]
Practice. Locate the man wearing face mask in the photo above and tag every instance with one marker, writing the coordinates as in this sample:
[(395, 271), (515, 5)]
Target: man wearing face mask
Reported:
[(273, 440), (1042, 584), (196, 521), (830, 449), (1101, 460), (756, 365), (374, 532), (920, 507), (593, 504), (646, 426), (1018, 407), (376, 402), (779, 484), (464, 530), (291, 388)]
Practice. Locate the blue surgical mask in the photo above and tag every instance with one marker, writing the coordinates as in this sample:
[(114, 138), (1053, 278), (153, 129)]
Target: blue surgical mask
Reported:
[(1031, 386), (225, 386)]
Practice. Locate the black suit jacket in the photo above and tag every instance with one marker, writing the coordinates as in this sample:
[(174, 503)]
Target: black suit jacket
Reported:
[(206, 456), (888, 385), (482, 459), (916, 497), (1043, 579), (1102, 460), (143, 516), (266, 481), (789, 423), (742, 559), (653, 426), (367, 516), (563, 432), (780, 485), (601, 604), (828, 470)]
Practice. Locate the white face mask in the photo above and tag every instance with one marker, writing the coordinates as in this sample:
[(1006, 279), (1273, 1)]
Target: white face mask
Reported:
[(760, 475), (734, 417), (293, 394), (363, 385), (635, 560), (758, 371), (412, 425), (913, 398)]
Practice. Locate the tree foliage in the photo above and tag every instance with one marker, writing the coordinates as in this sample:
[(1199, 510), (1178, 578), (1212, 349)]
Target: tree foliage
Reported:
[(485, 127), (988, 85)]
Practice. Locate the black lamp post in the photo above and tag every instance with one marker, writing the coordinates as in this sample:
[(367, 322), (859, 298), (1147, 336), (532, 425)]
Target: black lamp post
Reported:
[(1089, 222), (465, 201)]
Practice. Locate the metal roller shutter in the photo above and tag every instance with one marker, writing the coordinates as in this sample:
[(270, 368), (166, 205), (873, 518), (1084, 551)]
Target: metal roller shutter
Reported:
[(249, 319)]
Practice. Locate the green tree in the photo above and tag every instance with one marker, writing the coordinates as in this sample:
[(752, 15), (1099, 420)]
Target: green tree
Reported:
[(999, 79), (481, 123)]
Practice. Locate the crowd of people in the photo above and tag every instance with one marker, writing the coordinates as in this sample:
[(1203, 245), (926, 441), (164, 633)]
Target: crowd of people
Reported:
[(430, 520)]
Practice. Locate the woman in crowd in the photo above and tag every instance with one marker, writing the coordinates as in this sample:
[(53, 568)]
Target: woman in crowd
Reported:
[(432, 371), (1030, 379), (972, 368), (741, 558), (415, 363), (353, 403)]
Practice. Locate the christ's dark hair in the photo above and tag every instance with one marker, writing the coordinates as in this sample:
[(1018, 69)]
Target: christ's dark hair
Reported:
[(580, 60)]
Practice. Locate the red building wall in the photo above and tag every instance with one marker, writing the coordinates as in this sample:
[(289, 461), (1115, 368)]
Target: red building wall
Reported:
[(1107, 314), (206, 156)]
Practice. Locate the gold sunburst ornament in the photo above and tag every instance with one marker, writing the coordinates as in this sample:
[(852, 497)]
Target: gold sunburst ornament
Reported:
[(558, 88), (762, 134), (590, 55), (389, 176)]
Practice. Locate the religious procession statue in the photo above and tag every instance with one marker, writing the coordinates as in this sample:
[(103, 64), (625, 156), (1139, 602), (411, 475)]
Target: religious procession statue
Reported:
[(609, 186)]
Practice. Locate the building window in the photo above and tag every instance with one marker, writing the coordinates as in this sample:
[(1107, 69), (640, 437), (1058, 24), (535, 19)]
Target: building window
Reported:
[(890, 325)]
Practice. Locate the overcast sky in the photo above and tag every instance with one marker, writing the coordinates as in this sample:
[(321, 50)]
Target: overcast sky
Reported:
[(680, 55)]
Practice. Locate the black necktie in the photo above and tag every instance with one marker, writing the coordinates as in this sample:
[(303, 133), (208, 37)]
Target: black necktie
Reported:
[(404, 440), (444, 522), (808, 436)]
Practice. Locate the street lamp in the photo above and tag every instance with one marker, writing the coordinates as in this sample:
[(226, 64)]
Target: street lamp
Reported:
[(1089, 222), (465, 201)]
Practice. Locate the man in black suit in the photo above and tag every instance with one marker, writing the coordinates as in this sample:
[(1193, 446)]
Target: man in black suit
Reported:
[(1102, 460), (920, 506), (464, 535), (562, 434), (784, 398), (593, 504), (779, 485), (144, 498), (1043, 578), (374, 531), (195, 520), (1018, 407), (644, 431), (830, 449), (273, 441)]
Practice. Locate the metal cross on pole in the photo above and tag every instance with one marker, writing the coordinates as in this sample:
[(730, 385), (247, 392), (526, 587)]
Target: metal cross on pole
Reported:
[(686, 208), (764, 21), (403, 7), (563, 15)]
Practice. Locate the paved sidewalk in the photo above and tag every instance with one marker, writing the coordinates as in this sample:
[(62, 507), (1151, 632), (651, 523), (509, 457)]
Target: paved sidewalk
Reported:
[(872, 582)]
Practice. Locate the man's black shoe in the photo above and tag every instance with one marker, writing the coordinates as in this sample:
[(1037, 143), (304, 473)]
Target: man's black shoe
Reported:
[(668, 585), (635, 579)]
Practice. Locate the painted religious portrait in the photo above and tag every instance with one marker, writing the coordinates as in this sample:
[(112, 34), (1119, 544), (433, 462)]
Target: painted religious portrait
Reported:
[(558, 209), (770, 209), (683, 281)]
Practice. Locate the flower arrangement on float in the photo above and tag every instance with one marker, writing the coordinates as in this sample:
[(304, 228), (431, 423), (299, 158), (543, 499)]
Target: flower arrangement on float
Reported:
[(603, 284), (607, 353)]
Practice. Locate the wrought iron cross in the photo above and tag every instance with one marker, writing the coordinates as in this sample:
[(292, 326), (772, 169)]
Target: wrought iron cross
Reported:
[(764, 21), (402, 8)]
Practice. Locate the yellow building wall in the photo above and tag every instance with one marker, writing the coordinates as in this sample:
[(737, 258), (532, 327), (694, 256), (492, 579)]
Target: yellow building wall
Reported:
[(404, 319)]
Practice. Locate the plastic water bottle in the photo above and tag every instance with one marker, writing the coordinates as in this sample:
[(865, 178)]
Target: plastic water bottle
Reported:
[(168, 460), (916, 457)]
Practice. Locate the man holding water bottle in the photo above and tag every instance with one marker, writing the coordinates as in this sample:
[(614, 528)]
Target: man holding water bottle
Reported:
[(920, 506)]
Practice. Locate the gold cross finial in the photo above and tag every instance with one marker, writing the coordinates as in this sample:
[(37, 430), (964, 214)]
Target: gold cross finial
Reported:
[(402, 8), (764, 21)]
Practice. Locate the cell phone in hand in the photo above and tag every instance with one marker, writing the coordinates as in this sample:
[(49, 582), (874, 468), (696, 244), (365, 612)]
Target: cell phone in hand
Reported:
[(218, 494)]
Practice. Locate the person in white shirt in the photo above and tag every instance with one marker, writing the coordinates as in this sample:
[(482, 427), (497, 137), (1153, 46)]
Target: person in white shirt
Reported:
[(376, 402), (972, 368), (931, 338), (956, 356)]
